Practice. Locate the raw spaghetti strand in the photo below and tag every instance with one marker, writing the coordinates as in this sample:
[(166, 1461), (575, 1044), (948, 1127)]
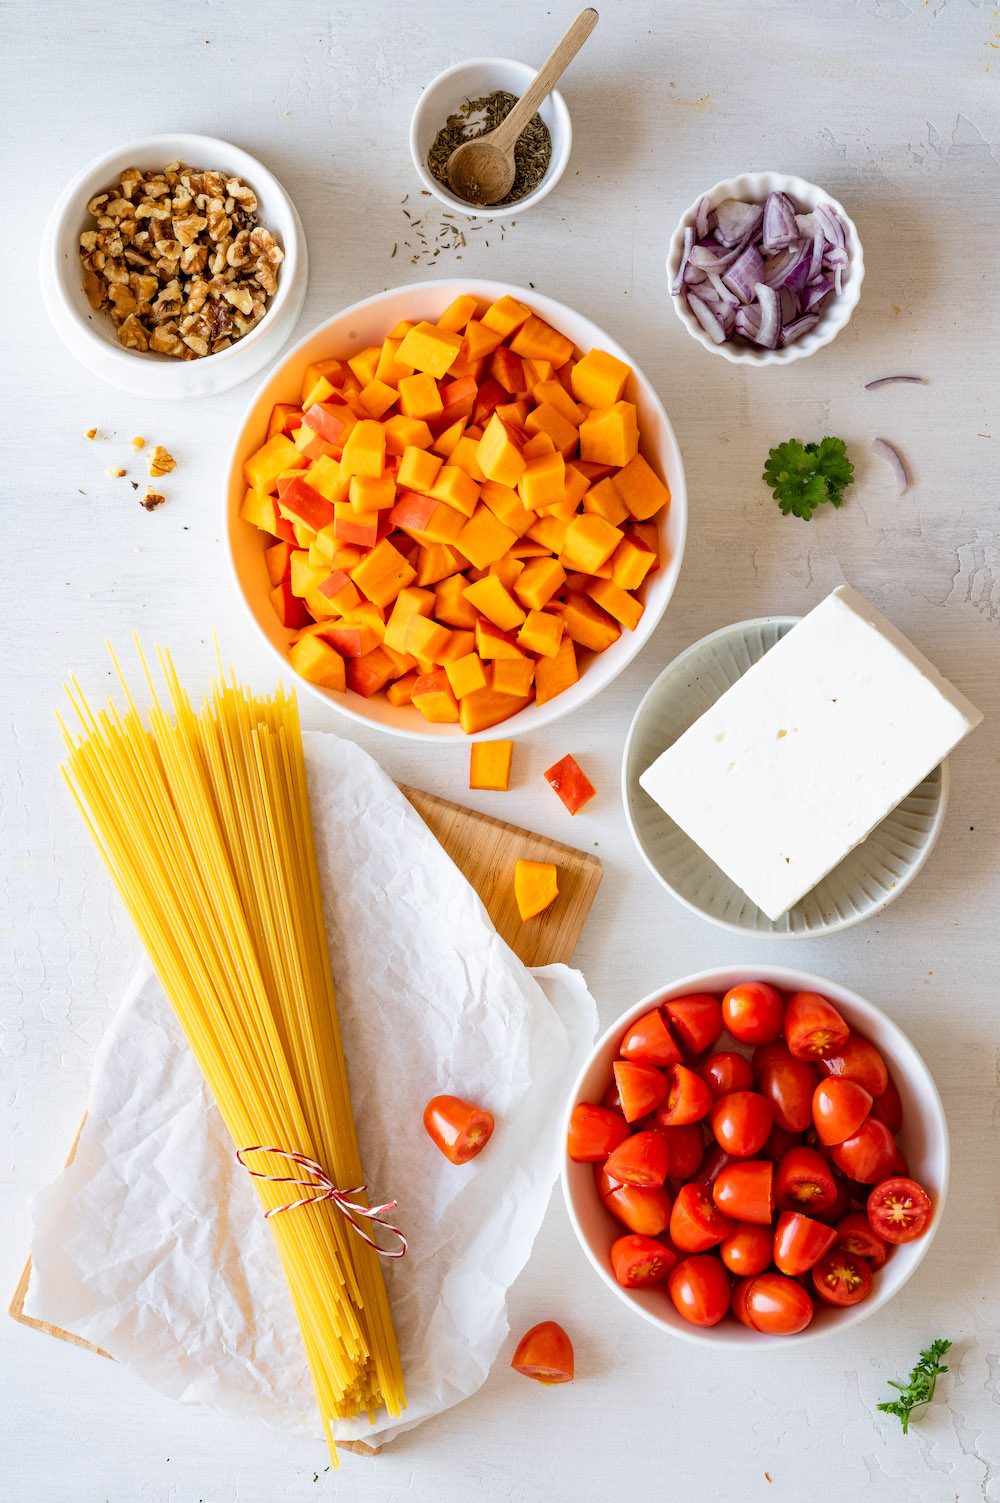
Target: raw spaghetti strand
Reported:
[(204, 824)]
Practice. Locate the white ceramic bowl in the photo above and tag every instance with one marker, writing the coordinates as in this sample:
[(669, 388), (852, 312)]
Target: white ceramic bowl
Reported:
[(367, 323), (90, 335), (754, 187), (923, 1139), (474, 79), (867, 879)]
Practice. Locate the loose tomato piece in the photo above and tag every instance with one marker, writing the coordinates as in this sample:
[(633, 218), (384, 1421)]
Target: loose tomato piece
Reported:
[(643, 1159), (858, 1060), (639, 1261), (813, 1026), (899, 1209), (741, 1122), (697, 1021), (777, 1305), (458, 1128), (687, 1148), (839, 1106), (688, 1098), (738, 1303), (641, 1088), (753, 1012), (855, 1235), (545, 1353), (645, 1212), (593, 1132), (696, 1223), (699, 1288), (747, 1250), (788, 1083), (650, 1041), (888, 1108), (744, 1190), (842, 1277), (567, 778), (726, 1072), (779, 1141), (869, 1155), (804, 1181), (800, 1242)]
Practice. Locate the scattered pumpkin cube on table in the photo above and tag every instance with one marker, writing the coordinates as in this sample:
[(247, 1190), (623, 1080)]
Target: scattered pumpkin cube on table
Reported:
[(489, 765), (535, 887), (567, 778)]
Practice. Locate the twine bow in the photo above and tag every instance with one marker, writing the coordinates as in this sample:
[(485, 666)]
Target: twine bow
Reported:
[(325, 1190)]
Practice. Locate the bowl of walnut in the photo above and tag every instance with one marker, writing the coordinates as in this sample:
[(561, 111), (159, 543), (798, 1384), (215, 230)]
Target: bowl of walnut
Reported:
[(174, 266)]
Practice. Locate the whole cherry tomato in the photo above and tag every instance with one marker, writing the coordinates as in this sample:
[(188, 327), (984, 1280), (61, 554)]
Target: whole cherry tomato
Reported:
[(855, 1235), (696, 1223), (813, 1026), (741, 1122), (858, 1060), (779, 1141), (458, 1128), (766, 1054), (699, 1288), (715, 1158), (899, 1210), (643, 1159), (744, 1190), (888, 1108), (593, 1132), (804, 1181), (839, 1106), (651, 1041), (726, 1072), (788, 1084), (687, 1147), (753, 1012), (639, 1262), (688, 1098), (641, 1088), (545, 1353), (738, 1303), (800, 1242), (644, 1211), (778, 1305), (747, 1250), (868, 1155), (842, 1277), (697, 1021)]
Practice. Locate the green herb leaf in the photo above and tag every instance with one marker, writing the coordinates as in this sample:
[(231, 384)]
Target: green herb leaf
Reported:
[(803, 476), (920, 1389)]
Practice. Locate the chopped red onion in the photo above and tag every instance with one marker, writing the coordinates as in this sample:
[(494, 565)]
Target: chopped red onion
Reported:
[(710, 255), (722, 291), (889, 380), (833, 229), (701, 218), (708, 319), (895, 459), (748, 322), (685, 257), (816, 258), (744, 274), (735, 221), (815, 292), (780, 228), (770, 316), (790, 332)]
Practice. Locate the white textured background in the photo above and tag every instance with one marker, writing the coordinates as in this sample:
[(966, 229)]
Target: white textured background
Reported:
[(893, 107)]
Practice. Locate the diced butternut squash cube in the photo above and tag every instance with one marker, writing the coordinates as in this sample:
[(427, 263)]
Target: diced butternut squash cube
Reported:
[(605, 501), (427, 520), (539, 341), (429, 348), (631, 562), (260, 511), (389, 368), (314, 659), (400, 692), (488, 398), (538, 444), (564, 510), (369, 673), (466, 675), (495, 603), (262, 469), (499, 452), (554, 675), (506, 315), (548, 419), (513, 676), (424, 638), (451, 605), (478, 711), (288, 608), (382, 574), (491, 642), (538, 582), (610, 435), (319, 375), (543, 482), (339, 591), (402, 433), (309, 443), (401, 662), (465, 456), (330, 421), (589, 543), (433, 698), (587, 624), (553, 392), (418, 469), (480, 340), (459, 397), (364, 365), (402, 328), (446, 440), (409, 602), (458, 645), (354, 634), (524, 548), (489, 765), (367, 495), (457, 314), (568, 779), (507, 505), (508, 369), (436, 561), (377, 397), (641, 489), (278, 561), (419, 396), (457, 488), (357, 528), (550, 531), (542, 633), (617, 602), (507, 569), (302, 575), (514, 413), (326, 476), (599, 379), (364, 450), (484, 538), (535, 887)]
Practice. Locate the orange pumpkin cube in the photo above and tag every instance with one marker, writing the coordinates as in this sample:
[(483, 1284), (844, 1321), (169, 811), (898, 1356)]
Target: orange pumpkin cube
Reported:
[(587, 625), (589, 543), (364, 450), (506, 315), (513, 676), (326, 476), (432, 696), (491, 642), (543, 482), (554, 675), (457, 314), (465, 456), (382, 574), (484, 538), (457, 488), (409, 602), (365, 364), (539, 341), (548, 419), (390, 369), (331, 370), (599, 379), (466, 674), (489, 765), (538, 582), (499, 452), (418, 469), (451, 605), (287, 606), (377, 397), (495, 603), (436, 561), (366, 494), (550, 531), (353, 635), (260, 511), (424, 638), (631, 562), (480, 340), (339, 591), (553, 392), (541, 633), (262, 469), (535, 887), (610, 435), (400, 691), (371, 672), (314, 659), (507, 505), (419, 396), (429, 348), (446, 439), (458, 645), (278, 562), (507, 569), (478, 711), (301, 573), (539, 443), (402, 433), (641, 489), (357, 528), (508, 369), (427, 520), (319, 390)]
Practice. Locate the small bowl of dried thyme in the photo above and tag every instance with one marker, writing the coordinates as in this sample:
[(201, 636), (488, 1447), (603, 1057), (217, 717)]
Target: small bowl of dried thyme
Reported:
[(472, 98)]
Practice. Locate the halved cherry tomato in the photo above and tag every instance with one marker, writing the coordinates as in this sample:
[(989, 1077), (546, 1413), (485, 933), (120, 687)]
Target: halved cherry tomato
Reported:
[(650, 1041), (744, 1190), (832, 1214), (714, 1160), (726, 1072), (741, 1122), (899, 1209), (697, 1021), (687, 1148), (888, 1108), (611, 1099), (811, 1139), (545, 1353), (699, 1288), (839, 1106), (858, 1060), (688, 1098), (868, 1155), (842, 1277), (800, 1242), (639, 1262), (738, 1303), (788, 1083), (593, 1132), (753, 1012), (779, 1141), (777, 1305), (855, 1235), (642, 1159), (804, 1181), (696, 1223), (813, 1026), (458, 1128), (747, 1250), (646, 1212), (641, 1088)]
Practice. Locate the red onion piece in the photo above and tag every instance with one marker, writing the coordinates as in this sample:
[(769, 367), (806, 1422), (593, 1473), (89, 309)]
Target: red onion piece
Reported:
[(799, 326), (815, 292), (895, 459), (744, 274), (770, 316), (735, 221), (708, 319), (889, 380), (701, 217), (780, 228), (711, 256), (685, 257)]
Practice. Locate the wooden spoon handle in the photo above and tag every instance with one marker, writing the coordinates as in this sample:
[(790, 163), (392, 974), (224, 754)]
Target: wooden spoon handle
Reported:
[(544, 80)]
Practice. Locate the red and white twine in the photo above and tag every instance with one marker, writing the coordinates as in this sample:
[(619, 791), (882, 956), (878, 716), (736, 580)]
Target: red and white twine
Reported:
[(325, 1189)]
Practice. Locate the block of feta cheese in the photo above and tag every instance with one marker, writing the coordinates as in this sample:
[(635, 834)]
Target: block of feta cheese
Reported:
[(799, 761)]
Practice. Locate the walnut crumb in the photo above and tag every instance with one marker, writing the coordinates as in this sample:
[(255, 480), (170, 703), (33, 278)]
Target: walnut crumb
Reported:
[(116, 474), (151, 500), (138, 442), (91, 433), (160, 462)]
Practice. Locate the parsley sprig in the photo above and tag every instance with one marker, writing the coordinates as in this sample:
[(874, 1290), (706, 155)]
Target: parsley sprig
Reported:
[(803, 476), (920, 1389)]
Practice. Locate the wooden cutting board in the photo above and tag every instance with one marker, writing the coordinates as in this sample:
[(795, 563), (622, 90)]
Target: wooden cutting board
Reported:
[(484, 850)]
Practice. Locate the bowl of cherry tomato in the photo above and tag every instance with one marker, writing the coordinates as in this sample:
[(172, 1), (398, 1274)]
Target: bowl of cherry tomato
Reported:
[(755, 1154)]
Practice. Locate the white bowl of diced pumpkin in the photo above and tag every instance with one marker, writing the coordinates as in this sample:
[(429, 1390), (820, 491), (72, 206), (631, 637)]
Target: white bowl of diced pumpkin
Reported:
[(456, 505)]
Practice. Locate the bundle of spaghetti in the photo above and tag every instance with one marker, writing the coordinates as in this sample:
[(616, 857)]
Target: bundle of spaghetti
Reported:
[(204, 822)]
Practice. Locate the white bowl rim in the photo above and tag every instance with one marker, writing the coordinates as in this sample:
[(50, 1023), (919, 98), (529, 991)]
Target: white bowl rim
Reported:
[(553, 172), (833, 926), (785, 978), (845, 304), (554, 710)]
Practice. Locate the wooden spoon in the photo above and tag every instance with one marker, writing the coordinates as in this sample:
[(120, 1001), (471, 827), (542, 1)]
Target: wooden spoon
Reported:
[(482, 171)]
